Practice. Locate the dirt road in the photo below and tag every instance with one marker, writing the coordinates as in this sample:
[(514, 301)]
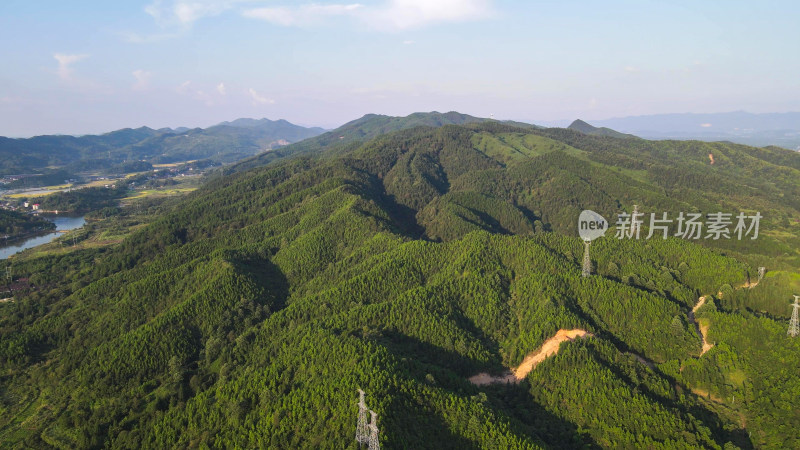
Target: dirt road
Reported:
[(549, 348)]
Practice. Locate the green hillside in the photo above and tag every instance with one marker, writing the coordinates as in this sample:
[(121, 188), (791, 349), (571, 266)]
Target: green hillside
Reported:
[(356, 132), (246, 314)]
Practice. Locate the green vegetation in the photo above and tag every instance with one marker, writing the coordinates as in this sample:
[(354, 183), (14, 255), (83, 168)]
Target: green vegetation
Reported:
[(246, 313), (82, 200), (15, 224), (773, 296)]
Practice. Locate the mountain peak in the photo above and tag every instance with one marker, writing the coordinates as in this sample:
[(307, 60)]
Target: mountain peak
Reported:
[(586, 128), (583, 127)]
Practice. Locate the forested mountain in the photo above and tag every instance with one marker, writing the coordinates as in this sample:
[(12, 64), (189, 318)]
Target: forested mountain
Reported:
[(248, 313), (356, 132), (225, 142), (585, 128)]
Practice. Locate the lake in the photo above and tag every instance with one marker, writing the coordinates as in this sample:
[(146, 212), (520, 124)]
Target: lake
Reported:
[(63, 222)]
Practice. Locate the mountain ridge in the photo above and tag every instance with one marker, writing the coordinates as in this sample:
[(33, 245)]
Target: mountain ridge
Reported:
[(367, 127)]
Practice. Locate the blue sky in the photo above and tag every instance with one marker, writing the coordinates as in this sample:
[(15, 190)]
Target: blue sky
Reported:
[(93, 66)]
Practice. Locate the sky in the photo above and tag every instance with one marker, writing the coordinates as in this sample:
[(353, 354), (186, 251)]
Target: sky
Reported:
[(84, 66)]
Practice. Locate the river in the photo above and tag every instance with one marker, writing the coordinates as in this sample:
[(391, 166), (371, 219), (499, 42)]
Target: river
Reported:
[(63, 223)]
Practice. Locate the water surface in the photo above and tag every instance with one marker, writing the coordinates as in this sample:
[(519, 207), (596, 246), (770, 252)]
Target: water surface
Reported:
[(63, 223)]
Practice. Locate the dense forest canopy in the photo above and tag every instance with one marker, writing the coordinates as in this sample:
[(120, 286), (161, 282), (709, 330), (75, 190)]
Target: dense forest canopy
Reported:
[(248, 313), (15, 224)]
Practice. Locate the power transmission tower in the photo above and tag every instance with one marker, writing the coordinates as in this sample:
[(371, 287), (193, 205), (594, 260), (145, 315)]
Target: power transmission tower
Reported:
[(362, 429), (373, 432), (761, 272), (587, 262), (794, 325)]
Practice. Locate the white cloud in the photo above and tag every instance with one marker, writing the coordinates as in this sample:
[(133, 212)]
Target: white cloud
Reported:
[(136, 38), (155, 10), (175, 17), (631, 69), (258, 99), (142, 79), (65, 63), (393, 15), (404, 14), (408, 42), (705, 125), (186, 12), (188, 89), (183, 87), (301, 15), (221, 88)]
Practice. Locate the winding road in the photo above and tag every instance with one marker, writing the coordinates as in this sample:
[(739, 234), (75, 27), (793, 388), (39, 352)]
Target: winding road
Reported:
[(701, 329)]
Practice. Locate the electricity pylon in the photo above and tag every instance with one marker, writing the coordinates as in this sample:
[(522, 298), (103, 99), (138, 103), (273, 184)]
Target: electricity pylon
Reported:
[(794, 325), (362, 429), (373, 432), (587, 262), (761, 272)]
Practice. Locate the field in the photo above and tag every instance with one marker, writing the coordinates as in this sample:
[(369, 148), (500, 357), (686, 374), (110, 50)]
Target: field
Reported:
[(39, 192), (175, 164), (166, 192)]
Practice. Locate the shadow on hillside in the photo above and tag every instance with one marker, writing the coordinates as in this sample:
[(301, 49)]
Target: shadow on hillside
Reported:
[(267, 277)]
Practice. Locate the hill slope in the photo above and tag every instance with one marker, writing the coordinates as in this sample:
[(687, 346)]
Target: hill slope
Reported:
[(361, 130), (248, 314)]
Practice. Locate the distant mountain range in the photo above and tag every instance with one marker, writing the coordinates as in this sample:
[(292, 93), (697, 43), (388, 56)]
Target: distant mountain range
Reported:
[(249, 140), (225, 142), (782, 129)]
